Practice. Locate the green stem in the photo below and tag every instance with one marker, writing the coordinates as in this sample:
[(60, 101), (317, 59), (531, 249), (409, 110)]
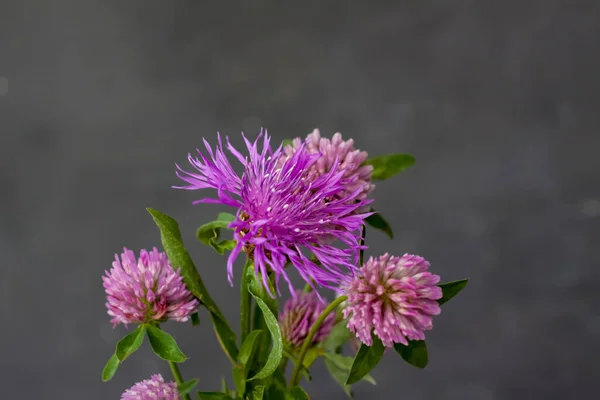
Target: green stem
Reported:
[(245, 304), (311, 334), (177, 375)]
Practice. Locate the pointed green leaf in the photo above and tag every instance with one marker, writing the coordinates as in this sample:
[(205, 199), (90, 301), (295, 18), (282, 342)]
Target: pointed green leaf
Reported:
[(256, 288), (164, 345), (187, 386), (110, 368), (225, 336), (339, 335), (385, 167), (297, 393), (130, 343), (239, 379), (415, 353), (248, 347), (179, 258), (366, 359), (224, 387), (451, 289), (213, 396), (339, 367), (258, 392), (378, 222), (277, 350), (195, 319)]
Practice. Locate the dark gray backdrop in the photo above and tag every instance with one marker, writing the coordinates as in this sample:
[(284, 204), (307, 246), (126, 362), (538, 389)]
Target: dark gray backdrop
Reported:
[(498, 102)]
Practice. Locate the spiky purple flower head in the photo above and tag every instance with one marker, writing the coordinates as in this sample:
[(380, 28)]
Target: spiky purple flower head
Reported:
[(299, 315), (280, 212), (395, 297), (336, 154), (146, 289), (154, 388)]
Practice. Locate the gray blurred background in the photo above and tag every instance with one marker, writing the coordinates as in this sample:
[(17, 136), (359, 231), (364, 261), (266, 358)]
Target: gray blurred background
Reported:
[(498, 101)]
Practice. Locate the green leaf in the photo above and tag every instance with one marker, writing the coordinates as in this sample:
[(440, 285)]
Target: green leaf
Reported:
[(451, 289), (339, 367), (297, 393), (277, 350), (110, 368), (415, 353), (263, 347), (248, 347), (224, 387), (257, 289), (378, 222), (276, 393), (287, 142), (164, 345), (187, 386), (339, 335), (239, 379), (130, 343), (213, 396), (366, 359), (179, 258), (195, 319), (385, 167), (258, 392), (225, 336)]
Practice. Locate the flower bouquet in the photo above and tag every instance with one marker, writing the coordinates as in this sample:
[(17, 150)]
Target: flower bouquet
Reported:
[(302, 207)]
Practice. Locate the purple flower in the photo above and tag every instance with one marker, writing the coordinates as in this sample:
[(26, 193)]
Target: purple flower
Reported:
[(280, 212), (154, 388), (339, 155), (393, 296), (146, 289), (299, 315)]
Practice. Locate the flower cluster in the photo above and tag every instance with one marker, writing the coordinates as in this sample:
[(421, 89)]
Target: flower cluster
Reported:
[(393, 297), (336, 154), (283, 209), (299, 315), (146, 289), (154, 388)]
